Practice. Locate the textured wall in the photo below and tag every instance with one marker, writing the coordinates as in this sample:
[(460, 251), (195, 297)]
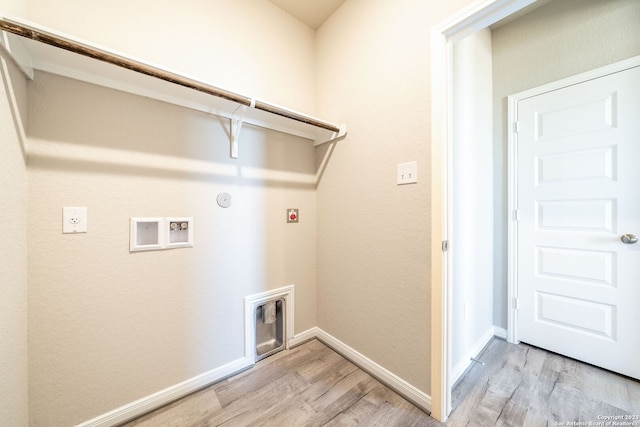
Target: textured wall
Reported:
[(107, 326), (557, 40), (248, 46), (373, 236), (13, 251)]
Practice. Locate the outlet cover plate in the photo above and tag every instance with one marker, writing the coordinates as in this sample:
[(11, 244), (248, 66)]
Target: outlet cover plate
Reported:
[(74, 220)]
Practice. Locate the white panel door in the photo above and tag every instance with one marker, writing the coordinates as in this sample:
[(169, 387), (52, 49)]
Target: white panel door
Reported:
[(578, 192)]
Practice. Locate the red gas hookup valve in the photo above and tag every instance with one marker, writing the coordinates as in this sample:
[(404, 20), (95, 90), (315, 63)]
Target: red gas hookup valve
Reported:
[(292, 215)]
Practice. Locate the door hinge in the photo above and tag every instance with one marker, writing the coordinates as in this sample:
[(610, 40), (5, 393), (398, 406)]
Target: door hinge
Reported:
[(514, 215), (445, 245), (516, 127), (515, 303)]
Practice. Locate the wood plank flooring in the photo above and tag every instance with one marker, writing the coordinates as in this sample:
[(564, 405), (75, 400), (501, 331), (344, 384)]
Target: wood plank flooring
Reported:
[(311, 385), (523, 385)]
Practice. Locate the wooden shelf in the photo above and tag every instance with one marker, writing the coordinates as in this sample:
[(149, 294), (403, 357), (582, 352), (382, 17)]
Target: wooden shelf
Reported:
[(34, 47)]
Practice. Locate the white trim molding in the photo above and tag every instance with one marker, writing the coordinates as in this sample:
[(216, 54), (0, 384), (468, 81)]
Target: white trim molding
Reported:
[(250, 303), (154, 401), (477, 348), (303, 337), (419, 398), (475, 17), (500, 332), (149, 403)]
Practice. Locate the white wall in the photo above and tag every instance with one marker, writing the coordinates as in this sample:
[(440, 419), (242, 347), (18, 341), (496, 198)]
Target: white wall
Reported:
[(373, 236), (107, 327), (471, 230), (557, 40), (13, 250)]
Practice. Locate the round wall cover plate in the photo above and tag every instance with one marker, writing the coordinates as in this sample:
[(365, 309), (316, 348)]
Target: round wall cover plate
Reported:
[(224, 200)]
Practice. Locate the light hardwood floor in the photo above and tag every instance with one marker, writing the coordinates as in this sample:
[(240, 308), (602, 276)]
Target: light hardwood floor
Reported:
[(311, 385), (523, 385)]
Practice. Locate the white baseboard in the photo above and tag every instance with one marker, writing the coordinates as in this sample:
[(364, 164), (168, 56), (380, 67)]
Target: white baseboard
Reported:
[(156, 400), (303, 337), (500, 332), (397, 384), (474, 350)]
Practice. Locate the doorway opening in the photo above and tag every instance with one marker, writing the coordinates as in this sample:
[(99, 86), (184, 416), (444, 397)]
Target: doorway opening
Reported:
[(475, 18)]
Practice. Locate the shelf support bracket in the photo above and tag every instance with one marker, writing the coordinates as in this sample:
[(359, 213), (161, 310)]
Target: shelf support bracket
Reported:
[(13, 50), (236, 125)]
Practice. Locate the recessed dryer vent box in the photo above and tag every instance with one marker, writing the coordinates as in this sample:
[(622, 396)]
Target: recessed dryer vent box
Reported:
[(179, 232), (147, 234)]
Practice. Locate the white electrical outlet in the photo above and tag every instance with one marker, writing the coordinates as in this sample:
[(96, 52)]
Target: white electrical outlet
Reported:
[(74, 220), (407, 173)]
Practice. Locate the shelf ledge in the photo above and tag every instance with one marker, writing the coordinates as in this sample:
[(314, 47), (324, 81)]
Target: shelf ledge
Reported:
[(33, 47)]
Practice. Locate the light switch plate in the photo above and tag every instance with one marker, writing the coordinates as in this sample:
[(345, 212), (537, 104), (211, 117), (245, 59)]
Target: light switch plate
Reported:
[(74, 220), (407, 173)]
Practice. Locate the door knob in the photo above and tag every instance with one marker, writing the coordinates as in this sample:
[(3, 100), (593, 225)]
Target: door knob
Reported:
[(629, 239)]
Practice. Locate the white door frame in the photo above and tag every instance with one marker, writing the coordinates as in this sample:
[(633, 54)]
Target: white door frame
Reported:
[(512, 101), (477, 16)]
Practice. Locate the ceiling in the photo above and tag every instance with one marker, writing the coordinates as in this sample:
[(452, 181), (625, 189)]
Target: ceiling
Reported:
[(314, 12), (311, 12)]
